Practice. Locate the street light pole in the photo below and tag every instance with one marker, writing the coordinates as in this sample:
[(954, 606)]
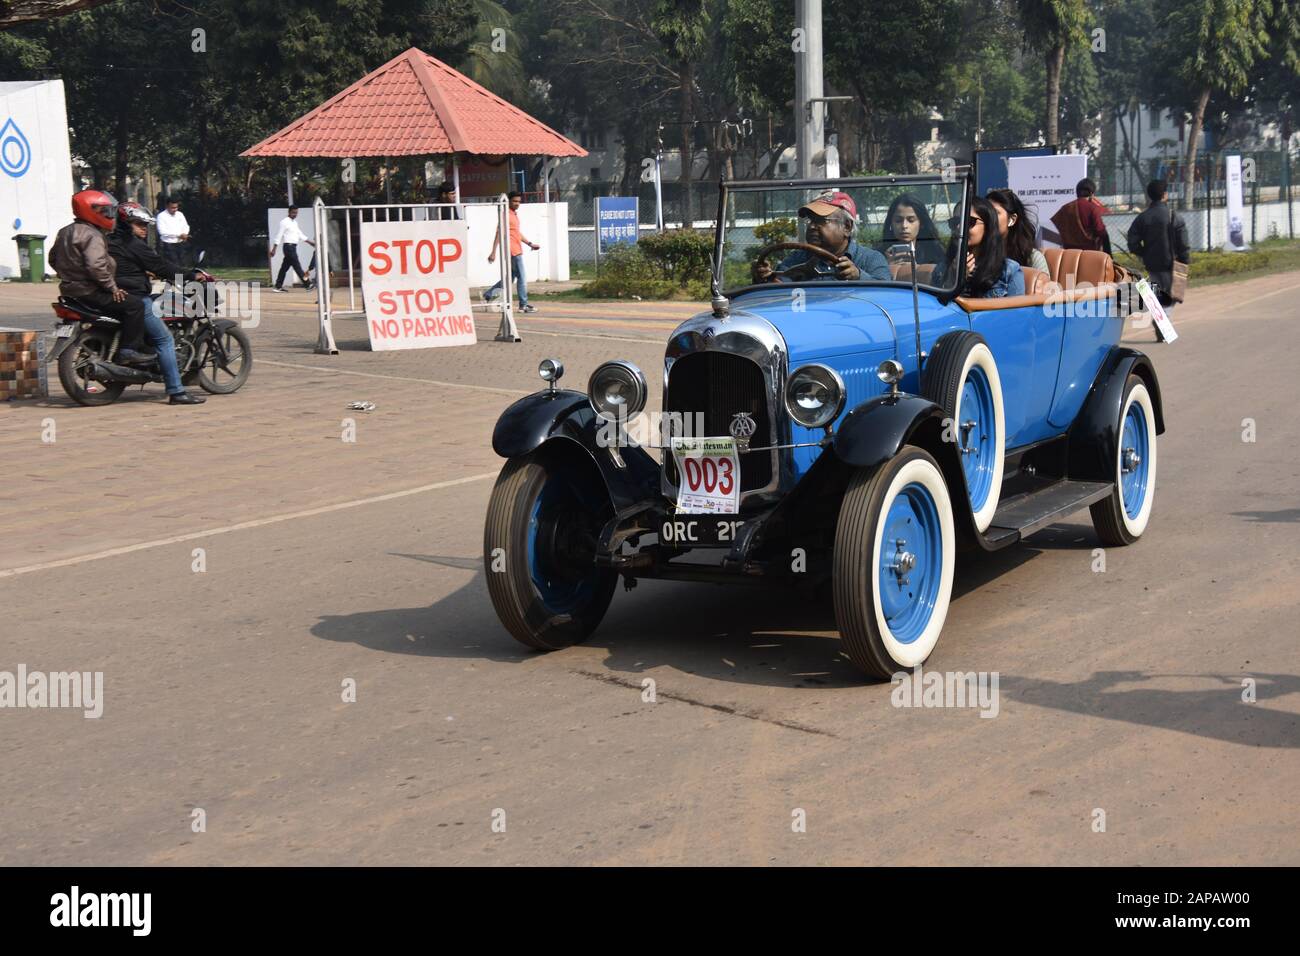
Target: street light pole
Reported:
[(809, 112)]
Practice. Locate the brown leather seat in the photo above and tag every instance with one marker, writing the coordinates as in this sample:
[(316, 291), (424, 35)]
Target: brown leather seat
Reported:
[(901, 272), (1079, 267), (1036, 280)]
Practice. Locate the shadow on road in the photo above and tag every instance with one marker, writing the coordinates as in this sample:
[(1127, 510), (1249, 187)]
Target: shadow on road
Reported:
[(741, 633), (1282, 516), (1217, 714)]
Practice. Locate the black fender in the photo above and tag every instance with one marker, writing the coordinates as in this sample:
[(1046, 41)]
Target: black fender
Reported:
[(1094, 432), (874, 432), (877, 430), (564, 419)]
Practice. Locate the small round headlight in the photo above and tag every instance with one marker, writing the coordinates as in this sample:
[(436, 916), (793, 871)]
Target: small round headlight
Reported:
[(814, 396), (617, 390), (551, 370), (890, 372)]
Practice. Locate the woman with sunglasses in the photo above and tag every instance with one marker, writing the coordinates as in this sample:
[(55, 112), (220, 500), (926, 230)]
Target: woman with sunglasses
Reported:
[(990, 273)]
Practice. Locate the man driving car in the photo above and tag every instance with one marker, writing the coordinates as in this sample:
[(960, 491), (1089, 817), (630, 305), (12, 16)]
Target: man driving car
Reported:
[(832, 218)]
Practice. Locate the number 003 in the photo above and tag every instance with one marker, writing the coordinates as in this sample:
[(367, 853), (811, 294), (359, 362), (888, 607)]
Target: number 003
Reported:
[(711, 474)]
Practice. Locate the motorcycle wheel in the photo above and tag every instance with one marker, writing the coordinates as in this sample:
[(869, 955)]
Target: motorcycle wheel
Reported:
[(75, 364), (219, 378)]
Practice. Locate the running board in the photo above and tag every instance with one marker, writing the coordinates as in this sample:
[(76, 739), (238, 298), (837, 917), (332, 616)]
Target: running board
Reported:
[(1019, 517)]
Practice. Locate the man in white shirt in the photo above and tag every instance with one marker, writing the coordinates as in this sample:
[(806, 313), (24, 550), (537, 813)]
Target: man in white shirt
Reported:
[(289, 235), (173, 230)]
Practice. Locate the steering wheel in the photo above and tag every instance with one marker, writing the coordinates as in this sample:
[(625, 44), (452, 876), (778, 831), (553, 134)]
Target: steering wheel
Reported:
[(798, 268)]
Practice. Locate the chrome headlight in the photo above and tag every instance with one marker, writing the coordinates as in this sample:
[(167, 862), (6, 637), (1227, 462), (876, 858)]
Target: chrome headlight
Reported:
[(617, 391), (814, 396), (551, 370)]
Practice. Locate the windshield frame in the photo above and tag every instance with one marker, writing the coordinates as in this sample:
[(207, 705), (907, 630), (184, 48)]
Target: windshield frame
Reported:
[(961, 175)]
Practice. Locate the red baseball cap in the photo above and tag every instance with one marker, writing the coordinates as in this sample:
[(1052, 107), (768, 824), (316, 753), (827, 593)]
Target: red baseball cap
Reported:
[(829, 201)]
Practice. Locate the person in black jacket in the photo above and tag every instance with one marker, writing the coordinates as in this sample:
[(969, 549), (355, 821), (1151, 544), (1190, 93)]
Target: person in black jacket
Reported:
[(135, 260), (1158, 237)]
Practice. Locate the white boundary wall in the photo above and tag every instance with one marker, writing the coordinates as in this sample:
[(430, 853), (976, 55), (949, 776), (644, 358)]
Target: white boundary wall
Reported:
[(35, 166)]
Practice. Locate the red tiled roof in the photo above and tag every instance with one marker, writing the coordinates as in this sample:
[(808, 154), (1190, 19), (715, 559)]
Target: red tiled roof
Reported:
[(415, 105)]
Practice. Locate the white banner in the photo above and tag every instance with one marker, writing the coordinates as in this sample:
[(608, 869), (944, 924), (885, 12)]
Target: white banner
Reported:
[(1045, 184), (1236, 211), (415, 284)]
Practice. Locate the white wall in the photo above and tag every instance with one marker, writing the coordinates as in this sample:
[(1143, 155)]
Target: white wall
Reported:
[(306, 222), (546, 224), (35, 178)]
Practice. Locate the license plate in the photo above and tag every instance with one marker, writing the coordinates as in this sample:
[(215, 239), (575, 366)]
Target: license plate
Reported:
[(708, 475), (692, 531), (64, 331)]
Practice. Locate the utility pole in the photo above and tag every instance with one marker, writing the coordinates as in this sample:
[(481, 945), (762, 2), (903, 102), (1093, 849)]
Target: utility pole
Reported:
[(809, 111)]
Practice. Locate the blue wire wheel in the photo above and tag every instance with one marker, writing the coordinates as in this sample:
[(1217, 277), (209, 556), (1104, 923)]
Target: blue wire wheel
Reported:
[(1135, 468), (559, 534), (910, 563), (978, 439)]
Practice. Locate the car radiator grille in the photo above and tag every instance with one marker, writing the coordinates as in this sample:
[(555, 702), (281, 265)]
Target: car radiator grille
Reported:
[(716, 385)]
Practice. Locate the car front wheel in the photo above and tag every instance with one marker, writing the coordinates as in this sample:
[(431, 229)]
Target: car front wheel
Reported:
[(893, 567), (539, 550)]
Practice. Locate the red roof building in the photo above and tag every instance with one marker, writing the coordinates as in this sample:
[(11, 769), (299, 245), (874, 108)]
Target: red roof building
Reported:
[(415, 105)]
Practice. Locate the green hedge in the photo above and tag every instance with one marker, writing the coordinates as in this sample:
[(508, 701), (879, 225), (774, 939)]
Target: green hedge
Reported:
[(669, 265)]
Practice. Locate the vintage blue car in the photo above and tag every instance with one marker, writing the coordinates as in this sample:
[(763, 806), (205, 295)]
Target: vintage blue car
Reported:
[(828, 424)]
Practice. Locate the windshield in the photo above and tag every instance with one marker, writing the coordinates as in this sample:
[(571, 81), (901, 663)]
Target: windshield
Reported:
[(849, 232)]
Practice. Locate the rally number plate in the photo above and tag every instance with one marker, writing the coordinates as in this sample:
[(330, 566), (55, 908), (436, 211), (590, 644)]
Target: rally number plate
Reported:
[(708, 475)]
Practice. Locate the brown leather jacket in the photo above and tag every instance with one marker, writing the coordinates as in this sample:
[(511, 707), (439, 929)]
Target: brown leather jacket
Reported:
[(80, 256)]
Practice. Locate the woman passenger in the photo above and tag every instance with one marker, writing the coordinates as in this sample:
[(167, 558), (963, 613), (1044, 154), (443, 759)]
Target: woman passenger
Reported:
[(990, 273), (1017, 229), (909, 221)]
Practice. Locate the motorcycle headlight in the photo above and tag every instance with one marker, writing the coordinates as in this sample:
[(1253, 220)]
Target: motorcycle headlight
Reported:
[(814, 396), (617, 390)]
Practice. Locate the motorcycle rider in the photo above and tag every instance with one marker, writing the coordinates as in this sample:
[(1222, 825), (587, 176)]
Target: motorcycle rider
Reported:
[(135, 259), (80, 256)]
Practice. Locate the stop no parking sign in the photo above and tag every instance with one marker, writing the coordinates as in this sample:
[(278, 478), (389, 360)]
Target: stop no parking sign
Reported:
[(415, 284)]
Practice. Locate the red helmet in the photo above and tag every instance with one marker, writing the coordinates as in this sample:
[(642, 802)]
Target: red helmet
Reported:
[(95, 207), (131, 211)]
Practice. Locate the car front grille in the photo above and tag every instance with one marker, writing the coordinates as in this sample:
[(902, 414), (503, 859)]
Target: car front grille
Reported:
[(715, 386)]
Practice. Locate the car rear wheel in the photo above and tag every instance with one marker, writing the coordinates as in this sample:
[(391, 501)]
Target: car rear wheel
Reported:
[(962, 379), (1121, 518), (539, 547), (893, 563)]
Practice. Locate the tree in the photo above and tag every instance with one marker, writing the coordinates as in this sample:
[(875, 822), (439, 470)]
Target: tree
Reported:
[(1052, 27), (681, 26), (1207, 46)]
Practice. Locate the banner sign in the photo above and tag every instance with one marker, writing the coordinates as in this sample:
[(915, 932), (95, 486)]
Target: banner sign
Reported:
[(616, 221), (1156, 310), (1236, 215), (414, 281), (1045, 184), (991, 170)]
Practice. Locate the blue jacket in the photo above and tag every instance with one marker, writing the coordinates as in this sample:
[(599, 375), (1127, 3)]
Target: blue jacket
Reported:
[(870, 263)]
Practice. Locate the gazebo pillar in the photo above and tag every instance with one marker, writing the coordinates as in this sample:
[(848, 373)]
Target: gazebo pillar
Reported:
[(288, 178)]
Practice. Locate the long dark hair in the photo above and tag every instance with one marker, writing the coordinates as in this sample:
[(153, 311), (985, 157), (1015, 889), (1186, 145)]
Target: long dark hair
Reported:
[(1020, 237), (927, 238), (991, 256)]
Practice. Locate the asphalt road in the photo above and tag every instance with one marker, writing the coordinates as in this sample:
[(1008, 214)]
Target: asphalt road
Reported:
[(328, 561)]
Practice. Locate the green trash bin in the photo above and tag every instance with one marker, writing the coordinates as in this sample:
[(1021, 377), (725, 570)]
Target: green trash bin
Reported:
[(31, 257)]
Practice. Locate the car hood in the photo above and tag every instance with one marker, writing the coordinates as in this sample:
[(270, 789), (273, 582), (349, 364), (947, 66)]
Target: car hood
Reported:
[(819, 322)]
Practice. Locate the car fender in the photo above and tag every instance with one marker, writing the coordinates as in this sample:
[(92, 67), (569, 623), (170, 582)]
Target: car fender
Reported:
[(564, 419), (877, 430), (1093, 434)]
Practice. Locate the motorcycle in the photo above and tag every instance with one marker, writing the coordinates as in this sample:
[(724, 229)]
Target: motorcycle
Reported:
[(212, 352)]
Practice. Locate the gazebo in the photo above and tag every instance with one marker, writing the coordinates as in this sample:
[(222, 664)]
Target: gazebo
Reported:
[(413, 105)]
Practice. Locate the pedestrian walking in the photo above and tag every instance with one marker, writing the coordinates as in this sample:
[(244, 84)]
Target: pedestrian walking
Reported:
[(1158, 237), (288, 237), (1080, 222), (173, 233), (517, 242)]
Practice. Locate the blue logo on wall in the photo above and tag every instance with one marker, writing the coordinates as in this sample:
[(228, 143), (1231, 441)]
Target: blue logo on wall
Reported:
[(15, 151)]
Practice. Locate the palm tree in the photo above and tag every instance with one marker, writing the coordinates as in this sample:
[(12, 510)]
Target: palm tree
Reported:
[(1051, 26), (492, 59)]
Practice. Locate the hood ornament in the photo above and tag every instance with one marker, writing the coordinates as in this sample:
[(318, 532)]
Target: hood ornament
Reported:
[(742, 429)]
